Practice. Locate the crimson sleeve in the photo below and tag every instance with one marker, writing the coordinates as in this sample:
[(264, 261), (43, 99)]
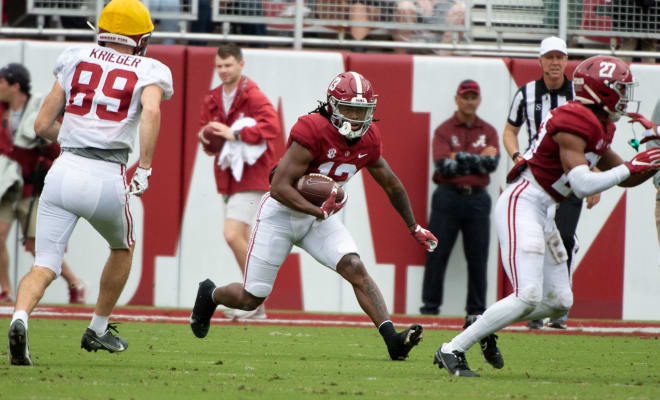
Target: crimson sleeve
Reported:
[(441, 147), (302, 133)]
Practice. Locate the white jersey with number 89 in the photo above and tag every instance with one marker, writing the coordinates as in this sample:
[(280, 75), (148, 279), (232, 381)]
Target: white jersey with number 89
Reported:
[(103, 89)]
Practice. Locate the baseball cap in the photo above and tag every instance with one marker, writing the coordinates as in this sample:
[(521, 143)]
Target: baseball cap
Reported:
[(468, 85), (16, 73), (553, 43)]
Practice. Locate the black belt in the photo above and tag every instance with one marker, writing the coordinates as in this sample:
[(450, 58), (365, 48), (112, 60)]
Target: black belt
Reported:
[(465, 190)]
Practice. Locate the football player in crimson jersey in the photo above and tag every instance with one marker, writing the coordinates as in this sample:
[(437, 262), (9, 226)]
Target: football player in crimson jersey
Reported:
[(105, 91), (573, 139), (337, 140)]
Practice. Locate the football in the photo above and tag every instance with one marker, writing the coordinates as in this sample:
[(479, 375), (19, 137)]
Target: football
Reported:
[(317, 187), (215, 141)]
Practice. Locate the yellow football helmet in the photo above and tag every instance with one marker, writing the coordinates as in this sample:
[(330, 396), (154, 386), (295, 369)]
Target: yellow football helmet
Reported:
[(126, 22)]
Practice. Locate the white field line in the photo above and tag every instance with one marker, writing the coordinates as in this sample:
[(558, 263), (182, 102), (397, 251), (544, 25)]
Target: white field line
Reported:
[(6, 311)]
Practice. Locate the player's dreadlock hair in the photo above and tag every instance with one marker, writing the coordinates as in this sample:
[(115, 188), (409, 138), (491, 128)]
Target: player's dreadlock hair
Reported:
[(321, 109)]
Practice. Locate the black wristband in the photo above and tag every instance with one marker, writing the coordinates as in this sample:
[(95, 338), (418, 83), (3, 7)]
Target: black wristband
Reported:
[(237, 135), (515, 155)]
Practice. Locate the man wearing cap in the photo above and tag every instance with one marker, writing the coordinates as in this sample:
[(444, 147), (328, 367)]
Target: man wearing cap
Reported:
[(465, 151), (530, 105), (24, 159)]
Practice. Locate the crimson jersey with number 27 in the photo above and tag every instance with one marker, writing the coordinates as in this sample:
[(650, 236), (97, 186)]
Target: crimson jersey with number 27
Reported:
[(543, 156), (103, 89), (333, 155)]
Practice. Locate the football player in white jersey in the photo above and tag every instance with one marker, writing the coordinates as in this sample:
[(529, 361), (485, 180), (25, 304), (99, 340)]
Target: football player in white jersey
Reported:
[(105, 91)]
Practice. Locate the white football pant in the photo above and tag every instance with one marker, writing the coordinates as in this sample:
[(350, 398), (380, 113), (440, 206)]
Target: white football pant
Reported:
[(275, 232), (81, 187), (541, 285)]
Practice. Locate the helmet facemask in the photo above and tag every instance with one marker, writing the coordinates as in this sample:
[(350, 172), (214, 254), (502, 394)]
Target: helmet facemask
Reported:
[(361, 111), (625, 90)]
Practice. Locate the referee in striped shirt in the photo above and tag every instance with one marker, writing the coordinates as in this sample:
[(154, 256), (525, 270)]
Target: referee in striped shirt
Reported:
[(530, 105)]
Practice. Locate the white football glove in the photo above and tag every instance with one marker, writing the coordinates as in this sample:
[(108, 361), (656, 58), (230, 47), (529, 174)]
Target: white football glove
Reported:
[(140, 181)]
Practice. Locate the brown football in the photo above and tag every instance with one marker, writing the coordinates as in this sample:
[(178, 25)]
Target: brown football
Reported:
[(317, 187), (215, 141)]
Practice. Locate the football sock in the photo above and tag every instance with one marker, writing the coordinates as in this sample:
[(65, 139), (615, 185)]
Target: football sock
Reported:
[(22, 315), (99, 324), (387, 331), (496, 317)]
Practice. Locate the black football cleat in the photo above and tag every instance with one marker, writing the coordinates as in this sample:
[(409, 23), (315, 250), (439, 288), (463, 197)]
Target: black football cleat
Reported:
[(404, 341), (535, 324), (92, 342), (490, 351), (19, 348), (454, 362), (557, 323), (200, 319)]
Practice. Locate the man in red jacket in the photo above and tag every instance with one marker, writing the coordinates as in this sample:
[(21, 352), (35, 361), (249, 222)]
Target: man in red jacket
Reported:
[(22, 151), (246, 123)]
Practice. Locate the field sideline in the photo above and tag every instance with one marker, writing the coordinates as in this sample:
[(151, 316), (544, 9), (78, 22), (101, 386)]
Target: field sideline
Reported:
[(293, 355), (181, 316)]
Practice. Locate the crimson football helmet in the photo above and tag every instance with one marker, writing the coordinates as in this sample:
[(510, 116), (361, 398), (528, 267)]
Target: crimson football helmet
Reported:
[(351, 104), (605, 81)]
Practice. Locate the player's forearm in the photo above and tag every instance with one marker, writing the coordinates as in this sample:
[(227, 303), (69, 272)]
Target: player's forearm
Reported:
[(585, 182), (290, 197), (51, 132), (149, 129), (45, 124), (401, 203), (638, 179)]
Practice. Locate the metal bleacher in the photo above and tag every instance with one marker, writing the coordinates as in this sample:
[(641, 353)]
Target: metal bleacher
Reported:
[(478, 26)]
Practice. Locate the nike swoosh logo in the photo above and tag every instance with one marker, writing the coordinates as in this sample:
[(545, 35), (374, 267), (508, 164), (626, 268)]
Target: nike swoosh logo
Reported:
[(362, 155), (635, 162)]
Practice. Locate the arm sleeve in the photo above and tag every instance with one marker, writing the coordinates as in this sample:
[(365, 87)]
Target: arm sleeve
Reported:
[(268, 124), (585, 182)]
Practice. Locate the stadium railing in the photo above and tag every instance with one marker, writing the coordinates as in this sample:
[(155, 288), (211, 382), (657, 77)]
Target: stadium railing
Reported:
[(503, 27)]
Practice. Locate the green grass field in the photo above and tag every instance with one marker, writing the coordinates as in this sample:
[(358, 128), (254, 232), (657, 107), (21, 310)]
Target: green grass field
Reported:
[(165, 361)]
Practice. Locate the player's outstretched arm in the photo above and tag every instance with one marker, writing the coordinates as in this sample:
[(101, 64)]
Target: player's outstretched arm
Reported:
[(46, 125), (642, 167), (583, 181), (385, 177), (383, 174)]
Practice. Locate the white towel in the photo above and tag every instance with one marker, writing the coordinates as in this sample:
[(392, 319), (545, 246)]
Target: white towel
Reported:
[(11, 181), (235, 153)]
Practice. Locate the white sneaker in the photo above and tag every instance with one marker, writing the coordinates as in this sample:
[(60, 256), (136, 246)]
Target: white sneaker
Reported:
[(257, 313)]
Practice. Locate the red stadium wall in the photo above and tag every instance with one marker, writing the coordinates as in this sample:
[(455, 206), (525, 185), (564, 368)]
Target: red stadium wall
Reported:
[(404, 134), (608, 275)]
